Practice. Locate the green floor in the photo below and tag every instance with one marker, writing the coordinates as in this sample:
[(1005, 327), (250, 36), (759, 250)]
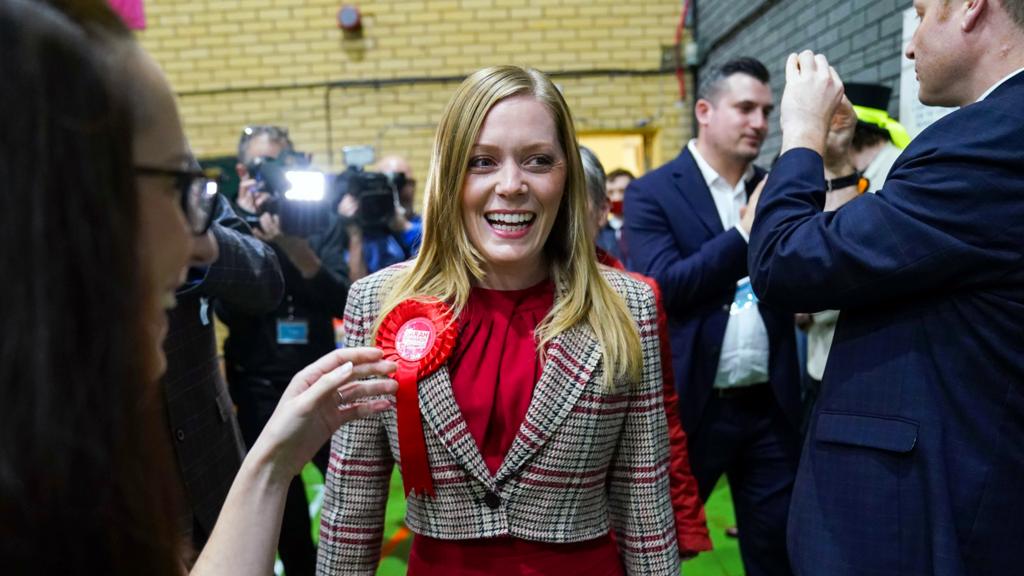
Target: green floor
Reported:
[(724, 560)]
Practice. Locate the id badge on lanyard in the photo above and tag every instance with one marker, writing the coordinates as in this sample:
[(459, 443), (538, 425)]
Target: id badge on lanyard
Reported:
[(292, 330), (744, 298)]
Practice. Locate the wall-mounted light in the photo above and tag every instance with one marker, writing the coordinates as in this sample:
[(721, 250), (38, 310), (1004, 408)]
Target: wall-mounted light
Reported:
[(349, 18)]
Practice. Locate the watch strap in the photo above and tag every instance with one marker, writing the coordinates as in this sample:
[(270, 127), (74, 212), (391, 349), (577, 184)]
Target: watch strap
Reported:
[(856, 179)]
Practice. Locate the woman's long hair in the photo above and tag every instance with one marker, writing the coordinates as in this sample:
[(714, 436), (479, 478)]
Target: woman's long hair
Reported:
[(448, 264), (83, 475)]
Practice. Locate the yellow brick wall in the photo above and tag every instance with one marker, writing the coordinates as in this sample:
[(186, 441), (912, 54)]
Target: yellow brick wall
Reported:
[(237, 62)]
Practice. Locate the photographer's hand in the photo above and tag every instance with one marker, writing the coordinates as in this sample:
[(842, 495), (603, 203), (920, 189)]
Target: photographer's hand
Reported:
[(246, 197), (399, 223), (297, 249), (347, 209)]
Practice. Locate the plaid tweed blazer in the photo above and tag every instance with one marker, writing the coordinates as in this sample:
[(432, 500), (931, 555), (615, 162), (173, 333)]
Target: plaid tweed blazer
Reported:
[(584, 461)]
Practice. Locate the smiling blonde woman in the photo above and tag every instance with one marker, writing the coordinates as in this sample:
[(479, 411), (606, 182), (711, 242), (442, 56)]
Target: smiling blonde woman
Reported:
[(542, 444)]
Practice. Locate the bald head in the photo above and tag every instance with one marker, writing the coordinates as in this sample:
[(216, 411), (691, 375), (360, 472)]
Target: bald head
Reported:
[(394, 163), (398, 165)]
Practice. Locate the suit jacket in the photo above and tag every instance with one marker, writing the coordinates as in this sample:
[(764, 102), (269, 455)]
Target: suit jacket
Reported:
[(585, 458), (915, 456), (676, 236), (204, 431)]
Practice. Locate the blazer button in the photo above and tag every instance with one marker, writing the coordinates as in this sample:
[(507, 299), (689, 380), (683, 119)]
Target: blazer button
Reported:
[(492, 500), (180, 435), (725, 307)]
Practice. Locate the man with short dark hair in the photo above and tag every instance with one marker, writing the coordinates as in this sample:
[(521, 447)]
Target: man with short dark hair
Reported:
[(915, 455), (735, 360)]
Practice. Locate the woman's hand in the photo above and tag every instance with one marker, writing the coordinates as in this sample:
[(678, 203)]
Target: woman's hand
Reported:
[(319, 399)]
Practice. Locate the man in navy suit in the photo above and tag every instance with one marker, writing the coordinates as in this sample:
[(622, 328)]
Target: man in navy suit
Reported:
[(734, 359), (915, 456)]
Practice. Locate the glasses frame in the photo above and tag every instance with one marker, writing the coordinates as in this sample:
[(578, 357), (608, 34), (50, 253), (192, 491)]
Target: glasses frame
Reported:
[(184, 180)]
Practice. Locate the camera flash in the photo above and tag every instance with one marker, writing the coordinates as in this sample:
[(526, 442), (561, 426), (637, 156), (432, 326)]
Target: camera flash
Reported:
[(306, 186)]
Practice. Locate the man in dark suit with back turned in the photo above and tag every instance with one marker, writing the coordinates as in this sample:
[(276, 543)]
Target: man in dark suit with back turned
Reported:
[(915, 454), (204, 431), (735, 360)]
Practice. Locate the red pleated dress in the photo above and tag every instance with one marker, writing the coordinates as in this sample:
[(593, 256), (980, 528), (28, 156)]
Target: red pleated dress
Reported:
[(494, 369)]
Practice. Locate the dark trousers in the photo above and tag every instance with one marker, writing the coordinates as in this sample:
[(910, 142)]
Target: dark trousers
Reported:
[(744, 435), (256, 399)]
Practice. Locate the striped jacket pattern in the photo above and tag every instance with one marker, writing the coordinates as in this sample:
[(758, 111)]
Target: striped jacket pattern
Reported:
[(586, 460)]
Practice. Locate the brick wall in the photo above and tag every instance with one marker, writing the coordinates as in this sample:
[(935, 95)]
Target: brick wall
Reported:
[(861, 38), (235, 62)]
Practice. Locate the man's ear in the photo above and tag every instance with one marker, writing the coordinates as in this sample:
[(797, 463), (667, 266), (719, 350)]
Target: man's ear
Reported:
[(241, 170), (703, 110), (973, 11)]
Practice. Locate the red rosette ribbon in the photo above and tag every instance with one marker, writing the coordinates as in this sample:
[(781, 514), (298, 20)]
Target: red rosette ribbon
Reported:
[(418, 335)]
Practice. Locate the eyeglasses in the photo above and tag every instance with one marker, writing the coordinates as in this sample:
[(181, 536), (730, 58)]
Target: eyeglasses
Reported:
[(199, 190)]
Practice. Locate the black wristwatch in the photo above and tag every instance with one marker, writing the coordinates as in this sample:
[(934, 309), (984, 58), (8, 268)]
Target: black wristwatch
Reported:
[(856, 179)]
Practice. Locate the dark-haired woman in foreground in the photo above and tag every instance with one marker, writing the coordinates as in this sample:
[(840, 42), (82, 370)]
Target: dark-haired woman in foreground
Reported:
[(93, 183)]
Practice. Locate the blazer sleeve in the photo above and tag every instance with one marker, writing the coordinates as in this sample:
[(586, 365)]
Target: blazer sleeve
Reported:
[(358, 475), (246, 275), (687, 280), (639, 503), (947, 217), (691, 525)]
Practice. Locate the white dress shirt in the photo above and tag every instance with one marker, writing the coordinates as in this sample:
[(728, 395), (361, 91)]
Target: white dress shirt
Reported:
[(744, 357), (998, 84)]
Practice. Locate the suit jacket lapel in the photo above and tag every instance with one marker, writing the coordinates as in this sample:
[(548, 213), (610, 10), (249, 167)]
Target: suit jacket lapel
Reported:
[(691, 187), (441, 414), (571, 360)]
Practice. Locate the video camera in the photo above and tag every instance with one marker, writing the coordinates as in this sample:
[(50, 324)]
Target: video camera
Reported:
[(376, 192), (297, 193)]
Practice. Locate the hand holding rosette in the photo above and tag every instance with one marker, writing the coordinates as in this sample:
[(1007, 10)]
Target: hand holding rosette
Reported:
[(334, 390)]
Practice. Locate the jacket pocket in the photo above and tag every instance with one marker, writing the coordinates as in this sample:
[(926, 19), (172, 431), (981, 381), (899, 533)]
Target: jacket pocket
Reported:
[(878, 432)]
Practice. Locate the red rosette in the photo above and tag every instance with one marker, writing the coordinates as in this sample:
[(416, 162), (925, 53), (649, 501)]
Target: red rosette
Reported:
[(418, 335)]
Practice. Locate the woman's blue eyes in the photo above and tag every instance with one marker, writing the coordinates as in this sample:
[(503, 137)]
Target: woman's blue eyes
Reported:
[(480, 162), (533, 161)]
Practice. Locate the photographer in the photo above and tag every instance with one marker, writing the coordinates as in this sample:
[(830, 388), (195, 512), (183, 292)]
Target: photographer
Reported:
[(410, 223), (263, 352), (376, 211)]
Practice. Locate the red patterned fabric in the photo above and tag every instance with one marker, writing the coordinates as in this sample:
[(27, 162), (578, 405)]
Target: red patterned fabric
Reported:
[(494, 368), (691, 525), (495, 364)]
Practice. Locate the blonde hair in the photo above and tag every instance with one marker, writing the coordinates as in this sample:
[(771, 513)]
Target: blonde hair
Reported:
[(448, 263)]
